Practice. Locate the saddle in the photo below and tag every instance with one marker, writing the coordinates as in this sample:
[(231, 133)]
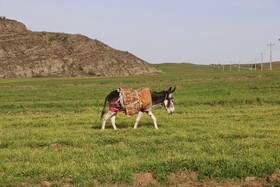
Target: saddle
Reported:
[(132, 101)]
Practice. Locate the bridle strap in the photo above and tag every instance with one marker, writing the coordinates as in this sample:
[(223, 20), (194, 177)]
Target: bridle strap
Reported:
[(168, 100)]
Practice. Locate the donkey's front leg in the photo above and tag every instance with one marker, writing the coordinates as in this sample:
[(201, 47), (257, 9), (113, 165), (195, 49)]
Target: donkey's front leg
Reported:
[(154, 119), (138, 119), (106, 117)]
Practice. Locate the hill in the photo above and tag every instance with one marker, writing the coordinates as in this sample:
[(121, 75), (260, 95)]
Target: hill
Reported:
[(24, 53)]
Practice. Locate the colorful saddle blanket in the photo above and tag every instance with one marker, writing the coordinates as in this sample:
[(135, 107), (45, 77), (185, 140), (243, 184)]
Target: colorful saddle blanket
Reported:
[(135, 100)]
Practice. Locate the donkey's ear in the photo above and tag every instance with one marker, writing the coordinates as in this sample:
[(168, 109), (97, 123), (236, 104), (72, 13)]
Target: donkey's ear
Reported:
[(173, 90), (169, 90)]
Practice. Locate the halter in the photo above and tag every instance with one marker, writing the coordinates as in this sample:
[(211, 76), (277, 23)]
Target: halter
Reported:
[(168, 100)]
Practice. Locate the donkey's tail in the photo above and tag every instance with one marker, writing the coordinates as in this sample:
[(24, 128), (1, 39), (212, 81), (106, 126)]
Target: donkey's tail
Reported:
[(104, 107)]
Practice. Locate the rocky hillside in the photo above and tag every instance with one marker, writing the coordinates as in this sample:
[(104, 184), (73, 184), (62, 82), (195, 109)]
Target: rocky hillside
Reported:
[(24, 53)]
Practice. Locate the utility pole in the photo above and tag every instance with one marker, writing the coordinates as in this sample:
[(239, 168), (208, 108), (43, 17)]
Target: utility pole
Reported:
[(223, 67), (261, 60), (270, 47), (255, 64), (230, 67), (239, 66)]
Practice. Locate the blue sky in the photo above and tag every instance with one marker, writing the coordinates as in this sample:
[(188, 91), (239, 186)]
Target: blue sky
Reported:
[(197, 31)]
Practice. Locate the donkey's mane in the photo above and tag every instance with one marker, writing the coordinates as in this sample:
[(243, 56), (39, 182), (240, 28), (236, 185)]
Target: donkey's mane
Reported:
[(159, 92)]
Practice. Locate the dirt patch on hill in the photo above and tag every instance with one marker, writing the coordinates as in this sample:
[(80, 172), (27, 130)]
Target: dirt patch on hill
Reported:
[(144, 178)]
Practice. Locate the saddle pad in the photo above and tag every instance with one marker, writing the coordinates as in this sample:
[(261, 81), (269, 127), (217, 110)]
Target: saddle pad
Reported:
[(145, 97), (134, 100)]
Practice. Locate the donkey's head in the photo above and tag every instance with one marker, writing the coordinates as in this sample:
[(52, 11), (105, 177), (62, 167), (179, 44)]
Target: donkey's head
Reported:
[(168, 101)]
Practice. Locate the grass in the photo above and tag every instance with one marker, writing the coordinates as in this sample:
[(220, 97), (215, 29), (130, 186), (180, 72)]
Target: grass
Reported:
[(226, 126)]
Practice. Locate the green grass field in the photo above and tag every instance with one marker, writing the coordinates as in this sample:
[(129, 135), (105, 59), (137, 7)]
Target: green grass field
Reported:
[(226, 126)]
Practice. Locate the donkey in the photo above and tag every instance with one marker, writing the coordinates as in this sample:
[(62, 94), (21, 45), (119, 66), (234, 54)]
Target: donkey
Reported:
[(116, 104)]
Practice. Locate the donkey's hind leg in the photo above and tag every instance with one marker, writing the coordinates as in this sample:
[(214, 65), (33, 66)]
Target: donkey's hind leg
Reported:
[(106, 117), (113, 120)]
